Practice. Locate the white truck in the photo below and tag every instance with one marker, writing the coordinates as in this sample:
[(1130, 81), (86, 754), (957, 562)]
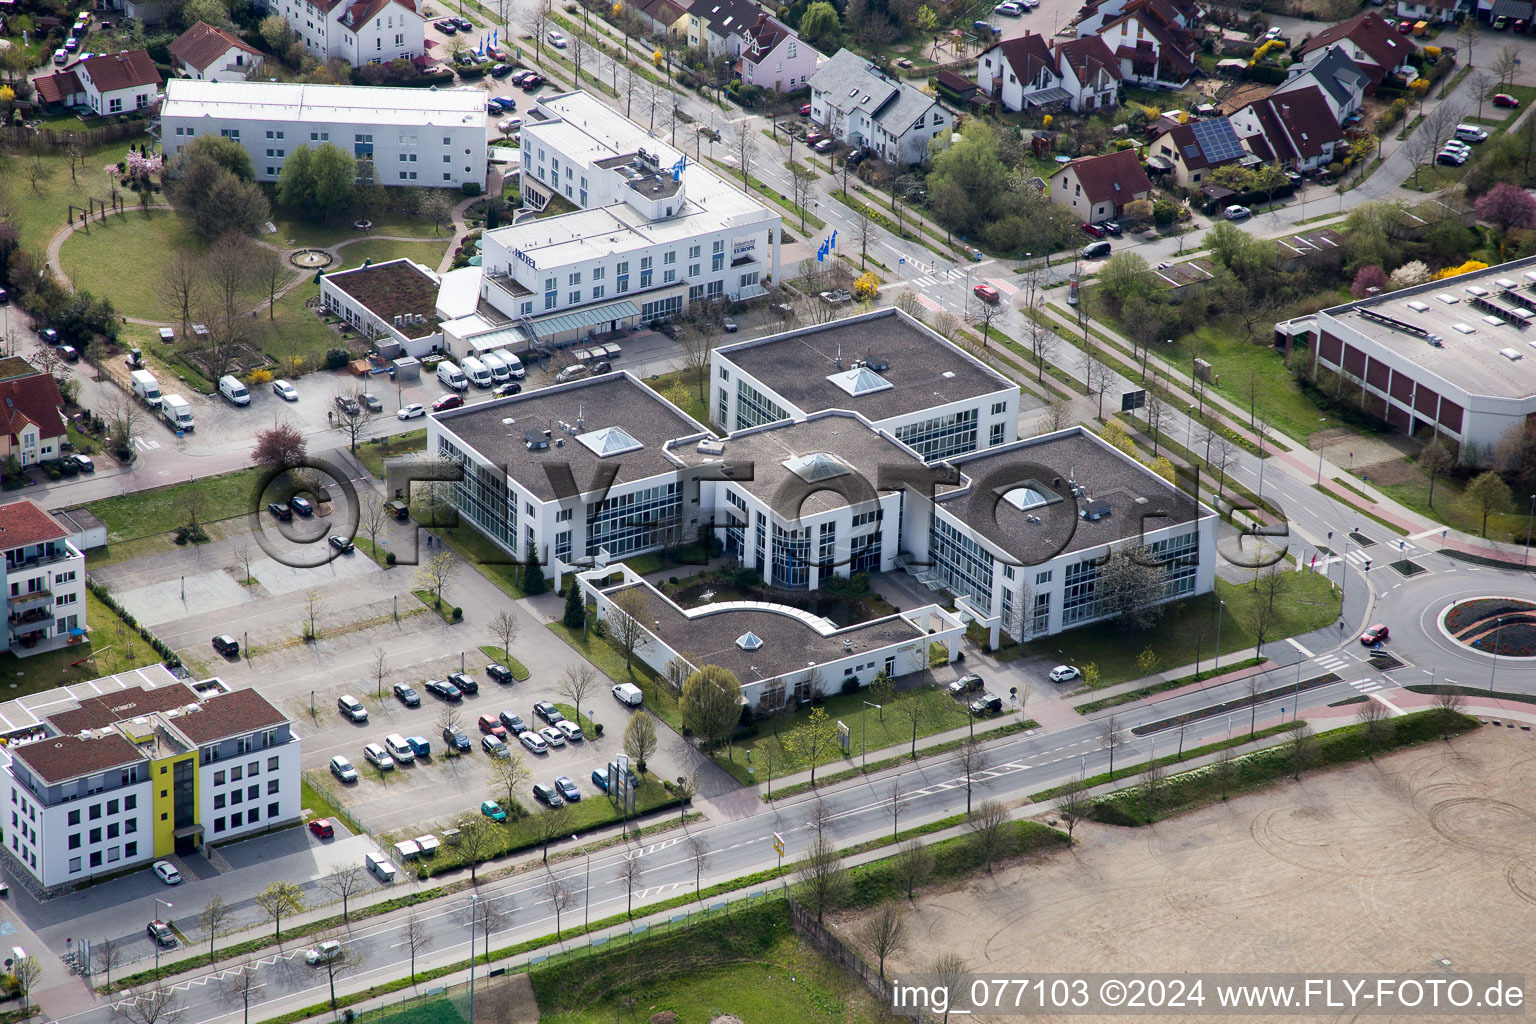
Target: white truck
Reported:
[(176, 411), (146, 387)]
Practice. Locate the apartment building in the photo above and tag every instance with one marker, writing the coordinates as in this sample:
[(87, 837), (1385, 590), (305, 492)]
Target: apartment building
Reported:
[(863, 106), (359, 32), (44, 581), (394, 304)]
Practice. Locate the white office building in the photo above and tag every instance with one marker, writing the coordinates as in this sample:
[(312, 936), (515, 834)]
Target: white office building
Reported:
[(414, 137), (652, 234), (109, 775)]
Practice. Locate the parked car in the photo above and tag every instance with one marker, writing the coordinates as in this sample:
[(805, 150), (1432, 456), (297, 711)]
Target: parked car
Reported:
[(161, 933), (511, 387), (456, 739), (1009, 9), (407, 695), (323, 828), (520, 74), (343, 769), (507, 103), (284, 390), (986, 293), (531, 83), (1502, 99), (570, 730), (600, 779), (1471, 133), (494, 746), (343, 545), (348, 405), (447, 402), (84, 463), (1112, 228), (824, 146), (1096, 250), (567, 788), (462, 24), (1375, 635), (729, 325), (378, 757), (805, 110), (495, 53), (836, 296), (1093, 229), (491, 809), (419, 746), (628, 693), (167, 872), (444, 690), (500, 673), (514, 722), (371, 402), (548, 712), (987, 704), (446, 27), (280, 510), (301, 505), (546, 794), (1450, 157), (1064, 674), (493, 105), (1235, 212), (556, 38), (501, 70), (553, 736), (491, 725), (466, 684), (351, 708), (533, 742), (411, 411), (227, 645)]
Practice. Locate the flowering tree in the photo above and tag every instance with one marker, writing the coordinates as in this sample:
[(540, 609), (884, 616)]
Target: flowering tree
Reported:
[(1409, 274), (142, 169), (1507, 206), (1368, 277)]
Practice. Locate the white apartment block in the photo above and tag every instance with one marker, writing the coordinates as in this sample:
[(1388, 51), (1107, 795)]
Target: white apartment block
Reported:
[(364, 32), (44, 581), (653, 233), (415, 137), (113, 774)]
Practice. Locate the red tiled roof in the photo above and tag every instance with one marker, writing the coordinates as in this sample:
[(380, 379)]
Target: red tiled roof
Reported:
[(665, 11), (23, 523), (1026, 55), (762, 37), (1113, 177), (1372, 33), (57, 87), (202, 44), (365, 10), (229, 714), (68, 757), (34, 398), (1085, 57), (1308, 120), (1275, 144), (109, 72)]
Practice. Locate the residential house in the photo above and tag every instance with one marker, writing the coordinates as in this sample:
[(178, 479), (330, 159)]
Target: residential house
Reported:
[(43, 581), (1372, 42), (1089, 71), (107, 83), (862, 106), (773, 57), (32, 423), (214, 55), (721, 26), (1331, 70), (1022, 72), (1444, 12), (661, 17), (393, 304), (357, 31), (1095, 14), (1153, 48), (1295, 129), (1097, 188), (1198, 148)]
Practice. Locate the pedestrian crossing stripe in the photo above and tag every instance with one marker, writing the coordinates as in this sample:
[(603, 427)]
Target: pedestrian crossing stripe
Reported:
[(145, 445)]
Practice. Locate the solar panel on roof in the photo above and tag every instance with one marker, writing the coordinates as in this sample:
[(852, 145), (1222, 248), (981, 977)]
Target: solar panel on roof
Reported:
[(1217, 140)]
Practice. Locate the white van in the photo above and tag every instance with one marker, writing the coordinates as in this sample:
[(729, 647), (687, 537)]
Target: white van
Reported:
[(451, 376), (477, 372), (1471, 133), (514, 364), (146, 387), (497, 366), (399, 749), (379, 867), (231, 388)]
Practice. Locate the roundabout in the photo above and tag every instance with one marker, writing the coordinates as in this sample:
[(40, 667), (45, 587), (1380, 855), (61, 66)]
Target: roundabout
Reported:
[(1505, 626)]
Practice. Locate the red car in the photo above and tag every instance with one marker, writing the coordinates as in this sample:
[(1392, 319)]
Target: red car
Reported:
[(322, 828), (805, 110), (1375, 635), (447, 402), (1505, 100), (1405, 27), (1093, 229), (491, 724), (986, 293), (811, 138), (495, 53)]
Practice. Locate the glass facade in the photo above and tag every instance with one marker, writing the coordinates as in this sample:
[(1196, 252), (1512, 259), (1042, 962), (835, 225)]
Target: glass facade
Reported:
[(963, 564), (632, 522), (791, 556), (753, 408), (940, 436), (1180, 557), (481, 496)]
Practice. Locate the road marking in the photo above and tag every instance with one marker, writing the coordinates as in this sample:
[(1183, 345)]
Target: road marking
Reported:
[(145, 445), (1304, 652)]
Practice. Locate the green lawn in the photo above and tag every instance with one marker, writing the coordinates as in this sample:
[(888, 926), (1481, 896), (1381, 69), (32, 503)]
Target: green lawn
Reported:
[(112, 646), (1307, 601), (373, 453), (496, 654), (1448, 507), (476, 549), (681, 390), (42, 211), (294, 232), (146, 513), (109, 260), (428, 253)]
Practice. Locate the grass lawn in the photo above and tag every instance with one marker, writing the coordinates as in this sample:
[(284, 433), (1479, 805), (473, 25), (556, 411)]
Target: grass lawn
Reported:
[(1449, 509), (444, 609), (681, 392), (40, 212), (1307, 601), (373, 453), (109, 259), (111, 647), (147, 513), (294, 232), (476, 549), (496, 654), (381, 250)]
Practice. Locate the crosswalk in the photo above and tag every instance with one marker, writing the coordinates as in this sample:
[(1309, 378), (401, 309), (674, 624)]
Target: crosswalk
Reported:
[(144, 444), (1378, 554), (1333, 663)]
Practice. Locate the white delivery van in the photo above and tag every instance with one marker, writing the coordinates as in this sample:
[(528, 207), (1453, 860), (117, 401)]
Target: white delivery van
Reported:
[(176, 411), (514, 364), (497, 366), (146, 387), (379, 867), (231, 388), (478, 373), (399, 749), (451, 376)]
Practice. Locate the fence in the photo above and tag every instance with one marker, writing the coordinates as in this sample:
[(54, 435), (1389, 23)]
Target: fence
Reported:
[(22, 137), (831, 946)]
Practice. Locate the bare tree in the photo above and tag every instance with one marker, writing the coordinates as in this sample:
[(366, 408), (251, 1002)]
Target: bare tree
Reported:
[(1057, 416), (971, 760), (698, 850), (372, 517), (271, 272), (1252, 687), (1152, 779), (437, 572), (894, 805), (151, 1004), (506, 628), (864, 233), (74, 154), (240, 985), (1505, 65), (180, 286), (628, 612), (343, 884), (448, 718), (989, 829), (1376, 724), (1073, 806), (1225, 769), (744, 149), (949, 970), (123, 415), (508, 775), (984, 315), (1303, 746), (216, 914), (1097, 378), (698, 343), (353, 419), (1110, 739), (314, 604), (822, 877), (560, 898), (342, 960), (885, 932), (1158, 413), (478, 840), (913, 864), (415, 939), (628, 875), (1448, 702), (1222, 456), (492, 918), (106, 956), (802, 184), (914, 708), (1041, 341), (577, 683), (551, 824)]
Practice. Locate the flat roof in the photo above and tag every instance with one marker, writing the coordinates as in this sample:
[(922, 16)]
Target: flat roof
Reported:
[(708, 636), (228, 714), (1471, 354), (396, 288), (122, 705), (842, 444), (924, 369), (300, 103), (1139, 500), (62, 758), (496, 430)]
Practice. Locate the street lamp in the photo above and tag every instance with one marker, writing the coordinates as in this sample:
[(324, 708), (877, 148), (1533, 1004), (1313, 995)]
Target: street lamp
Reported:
[(168, 904), (587, 885), (1189, 433), (1498, 636), (864, 731), (1322, 442), (474, 901), (1221, 606)]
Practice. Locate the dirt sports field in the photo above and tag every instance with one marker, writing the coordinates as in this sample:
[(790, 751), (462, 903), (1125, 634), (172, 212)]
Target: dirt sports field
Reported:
[(1385, 867)]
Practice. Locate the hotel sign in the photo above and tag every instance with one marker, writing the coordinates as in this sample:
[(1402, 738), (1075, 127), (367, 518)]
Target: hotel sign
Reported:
[(740, 249), (525, 258)]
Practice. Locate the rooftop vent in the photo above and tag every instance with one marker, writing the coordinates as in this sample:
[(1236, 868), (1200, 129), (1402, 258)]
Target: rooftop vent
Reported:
[(1095, 510), (1511, 354), (607, 441), (861, 380), (710, 446)]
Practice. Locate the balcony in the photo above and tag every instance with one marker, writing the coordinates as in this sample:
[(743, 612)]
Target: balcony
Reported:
[(58, 554), (34, 614), (24, 600)]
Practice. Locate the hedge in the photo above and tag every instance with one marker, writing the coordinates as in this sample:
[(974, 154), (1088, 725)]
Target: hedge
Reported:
[(159, 646)]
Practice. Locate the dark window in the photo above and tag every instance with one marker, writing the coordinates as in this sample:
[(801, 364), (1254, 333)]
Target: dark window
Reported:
[(95, 812), (95, 835), (96, 859), (112, 806), (74, 817), (130, 802), (130, 850), (74, 840), (271, 810)]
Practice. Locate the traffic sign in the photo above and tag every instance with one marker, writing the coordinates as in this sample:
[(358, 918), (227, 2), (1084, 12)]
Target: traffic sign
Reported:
[(778, 844)]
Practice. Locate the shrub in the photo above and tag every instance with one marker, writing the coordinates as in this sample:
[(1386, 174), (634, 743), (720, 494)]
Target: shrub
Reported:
[(471, 188), (389, 559), (458, 613), (850, 685), (336, 358)]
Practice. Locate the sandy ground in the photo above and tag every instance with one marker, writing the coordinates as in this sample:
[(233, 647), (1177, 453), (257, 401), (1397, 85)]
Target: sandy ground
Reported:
[(1386, 867)]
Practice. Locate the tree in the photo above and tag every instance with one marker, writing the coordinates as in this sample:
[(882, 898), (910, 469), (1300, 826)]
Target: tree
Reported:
[(280, 900), (1131, 584), (436, 206), (415, 939), (107, 954), (1223, 458), (685, 787), (334, 178), (1505, 65), (577, 682), (640, 737), (822, 877), (1158, 413), (894, 805), (345, 959), (1110, 739), (123, 417), (282, 447), (711, 703), (181, 285), (436, 573), (1367, 278), (353, 420), (216, 914), (534, 582), (551, 824), (628, 875), (152, 1004), (698, 343), (373, 516), (1152, 778), (1303, 745), (1435, 460), (802, 184), (507, 776), (948, 970), (913, 864), (575, 616), (810, 742), (820, 25), (1097, 378), (628, 612), (744, 149), (505, 627), (560, 897), (272, 272), (345, 883), (240, 985), (989, 830), (1375, 724), (314, 604), (1125, 275), (698, 852), (1225, 769), (885, 932), (915, 708), (1073, 806), (1448, 702), (477, 840), (970, 760), (1485, 495)]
